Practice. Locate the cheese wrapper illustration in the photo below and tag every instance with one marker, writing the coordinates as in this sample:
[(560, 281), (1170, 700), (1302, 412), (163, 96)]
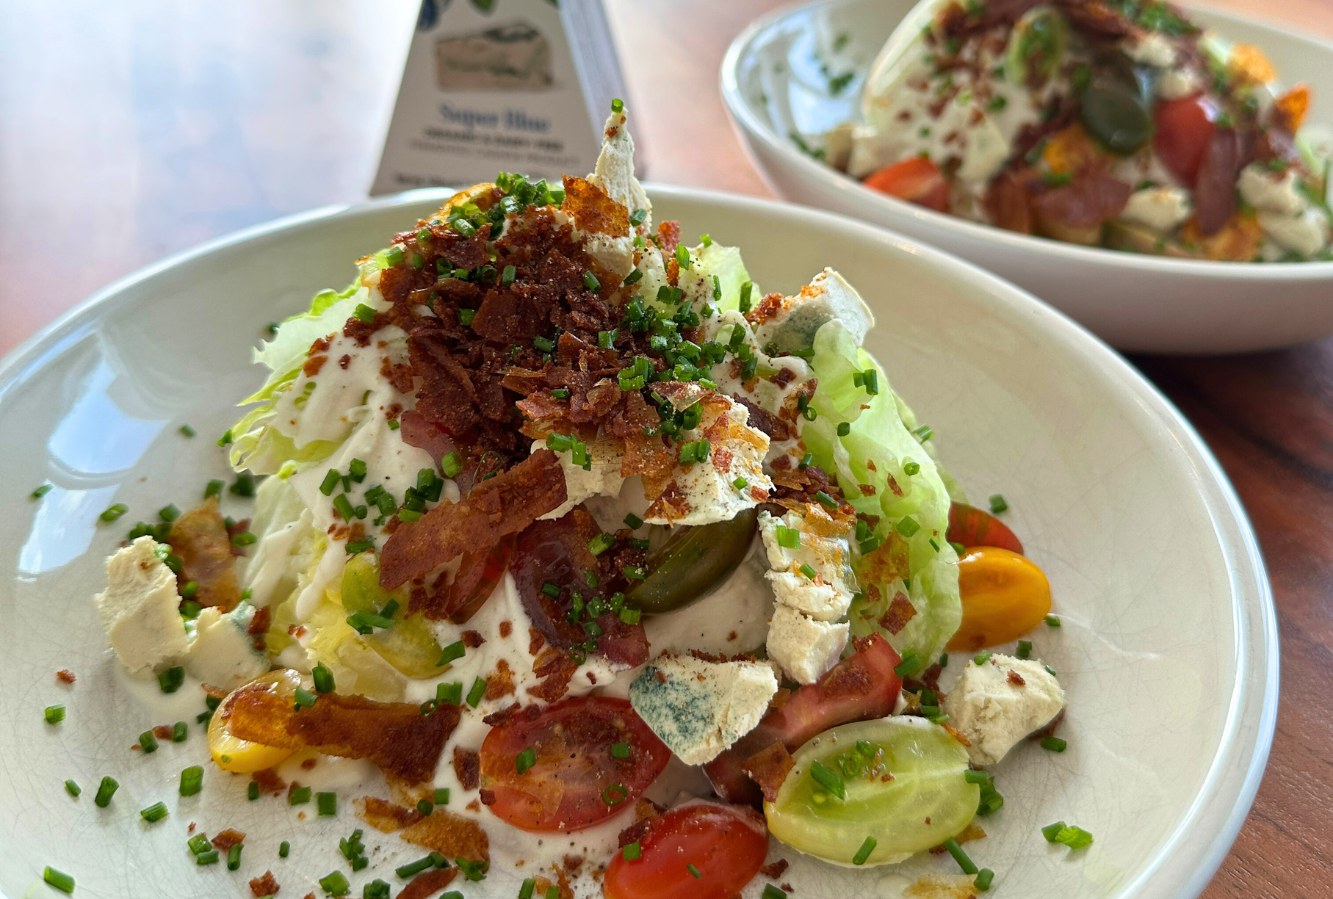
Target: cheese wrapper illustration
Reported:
[(518, 85)]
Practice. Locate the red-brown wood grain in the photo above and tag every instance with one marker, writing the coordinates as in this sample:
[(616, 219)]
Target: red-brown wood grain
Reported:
[(134, 129)]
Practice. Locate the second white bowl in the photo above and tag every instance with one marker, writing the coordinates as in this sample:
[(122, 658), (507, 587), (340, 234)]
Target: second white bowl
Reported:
[(775, 85)]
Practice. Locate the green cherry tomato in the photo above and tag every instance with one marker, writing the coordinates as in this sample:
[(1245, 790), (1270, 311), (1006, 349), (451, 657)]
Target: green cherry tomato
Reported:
[(409, 645), (927, 785), (691, 562)]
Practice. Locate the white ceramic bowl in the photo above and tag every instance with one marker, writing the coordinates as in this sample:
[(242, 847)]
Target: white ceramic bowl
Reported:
[(773, 86), (1168, 648)]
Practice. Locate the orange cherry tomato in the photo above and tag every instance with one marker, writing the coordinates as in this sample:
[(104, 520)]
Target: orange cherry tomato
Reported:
[(915, 180), (971, 526), (1004, 596), (701, 851)]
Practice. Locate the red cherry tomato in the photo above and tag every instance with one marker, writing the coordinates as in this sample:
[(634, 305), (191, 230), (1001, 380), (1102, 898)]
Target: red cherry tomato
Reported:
[(971, 526), (725, 844), (570, 780), (915, 180), (1184, 130)]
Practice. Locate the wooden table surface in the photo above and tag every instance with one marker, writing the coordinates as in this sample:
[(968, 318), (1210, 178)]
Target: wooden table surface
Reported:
[(135, 129)]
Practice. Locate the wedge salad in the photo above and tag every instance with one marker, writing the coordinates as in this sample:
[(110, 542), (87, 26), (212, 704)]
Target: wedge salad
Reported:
[(1109, 123), (616, 575)]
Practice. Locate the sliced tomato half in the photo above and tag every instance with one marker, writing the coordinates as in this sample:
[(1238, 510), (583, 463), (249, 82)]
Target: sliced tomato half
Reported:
[(1184, 129), (700, 851), (916, 180), (570, 765), (971, 526)]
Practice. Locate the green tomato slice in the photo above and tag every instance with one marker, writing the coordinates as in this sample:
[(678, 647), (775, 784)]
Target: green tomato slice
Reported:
[(409, 645), (927, 785)]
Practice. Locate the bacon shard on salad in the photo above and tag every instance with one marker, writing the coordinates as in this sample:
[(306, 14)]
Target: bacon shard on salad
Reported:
[(1106, 123), (593, 550)]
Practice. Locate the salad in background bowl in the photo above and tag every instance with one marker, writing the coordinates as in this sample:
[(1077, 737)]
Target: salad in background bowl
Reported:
[(1068, 144)]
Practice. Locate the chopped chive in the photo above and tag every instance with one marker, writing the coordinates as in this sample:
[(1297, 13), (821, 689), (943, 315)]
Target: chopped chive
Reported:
[(40, 491), (336, 884), (450, 653), (828, 779), (466, 316), (981, 658), (525, 891), (187, 431), (323, 678), (826, 500), (426, 807), (234, 857), (442, 794), (976, 777), (907, 526), (960, 856), (863, 853), (192, 780), (365, 313), (1054, 744), (984, 878), (844, 428), (619, 750), (524, 761), (304, 699), (73, 789), (772, 892), (299, 796), (997, 504), (114, 512), (449, 694), (199, 843), (631, 851), (633, 522), (206, 858), (412, 869), (252, 790), (58, 879), (214, 488), (245, 538), (590, 281), (1053, 621), (147, 742), (475, 694), (1024, 649), (190, 590), (806, 461), (170, 680), (327, 804), (638, 217), (630, 616), (225, 438), (909, 665), (694, 872), (808, 571), (284, 848), (54, 714), (105, 790)]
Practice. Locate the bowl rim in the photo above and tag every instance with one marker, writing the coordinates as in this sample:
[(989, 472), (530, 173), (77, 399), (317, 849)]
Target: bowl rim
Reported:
[(1185, 862), (1057, 251)]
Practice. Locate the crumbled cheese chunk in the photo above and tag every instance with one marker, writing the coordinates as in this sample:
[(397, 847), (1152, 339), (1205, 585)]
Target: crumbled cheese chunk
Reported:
[(140, 608), (701, 708), (994, 710), (1305, 234), (804, 647), (614, 171), (223, 653), (1160, 208), (1269, 191), (987, 150), (602, 479), (1177, 82), (828, 296), (824, 548), (1152, 49), (709, 488)]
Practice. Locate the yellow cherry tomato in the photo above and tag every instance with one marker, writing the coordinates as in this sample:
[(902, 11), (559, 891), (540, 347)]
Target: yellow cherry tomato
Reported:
[(231, 753), (1004, 595)]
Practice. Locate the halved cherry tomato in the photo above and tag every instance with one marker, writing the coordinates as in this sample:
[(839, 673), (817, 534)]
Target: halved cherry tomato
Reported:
[(1004, 597), (1184, 130), (916, 180), (724, 844), (571, 780), (971, 526)]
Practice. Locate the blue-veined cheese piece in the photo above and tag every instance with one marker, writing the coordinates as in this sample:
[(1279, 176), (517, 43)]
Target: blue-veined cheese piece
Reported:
[(822, 548), (614, 171), (709, 491), (996, 704), (790, 326), (140, 608), (223, 652), (700, 708), (805, 647), (1305, 233)]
